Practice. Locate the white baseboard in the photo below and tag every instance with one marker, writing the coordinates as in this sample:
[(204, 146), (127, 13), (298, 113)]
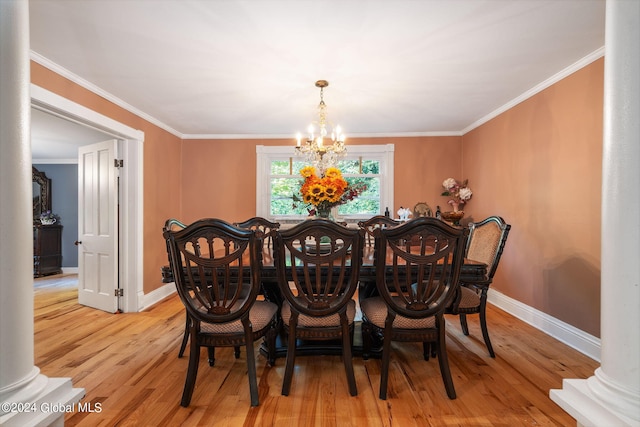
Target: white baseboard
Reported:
[(155, 296), (563, 332), (69, 270)]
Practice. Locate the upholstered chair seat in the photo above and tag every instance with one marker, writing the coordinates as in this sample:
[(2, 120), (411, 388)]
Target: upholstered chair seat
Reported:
[(468, 299), (332, 320), (260, 316)]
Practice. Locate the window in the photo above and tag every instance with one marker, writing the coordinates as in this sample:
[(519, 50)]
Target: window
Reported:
[(278, 179)]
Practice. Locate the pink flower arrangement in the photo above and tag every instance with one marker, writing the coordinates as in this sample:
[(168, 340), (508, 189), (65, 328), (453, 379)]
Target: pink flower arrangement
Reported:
[(459, 193)]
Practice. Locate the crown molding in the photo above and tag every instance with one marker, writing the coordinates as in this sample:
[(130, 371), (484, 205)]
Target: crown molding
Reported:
[(538, 88), (599, 53), (36, 57)]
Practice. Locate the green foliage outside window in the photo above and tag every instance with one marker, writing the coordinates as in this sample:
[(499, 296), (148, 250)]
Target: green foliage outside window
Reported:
[(285, 181)]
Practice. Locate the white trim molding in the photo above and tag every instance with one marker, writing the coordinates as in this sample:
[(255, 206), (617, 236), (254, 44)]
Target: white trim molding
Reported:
[(264, 155), (132, 220), (155, 296), (599, 53), (573, 337)]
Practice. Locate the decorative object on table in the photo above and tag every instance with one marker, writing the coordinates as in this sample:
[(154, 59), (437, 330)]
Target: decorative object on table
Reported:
[(452, 217), (421, 209), (438, 212), (314, 149), (48, 218), (404, 213), (321, 192), (459, 194)]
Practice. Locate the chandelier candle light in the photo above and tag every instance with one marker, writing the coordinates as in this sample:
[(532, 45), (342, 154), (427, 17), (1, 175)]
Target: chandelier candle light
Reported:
[(314, 149)]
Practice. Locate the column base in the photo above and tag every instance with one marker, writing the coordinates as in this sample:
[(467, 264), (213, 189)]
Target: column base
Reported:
[(577, 399), (47, 408)]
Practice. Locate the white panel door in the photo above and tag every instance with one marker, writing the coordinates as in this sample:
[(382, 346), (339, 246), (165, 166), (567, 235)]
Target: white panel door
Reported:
[(98, 226)]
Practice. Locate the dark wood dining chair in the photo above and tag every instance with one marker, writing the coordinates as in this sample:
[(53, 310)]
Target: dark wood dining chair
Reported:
[(425, 256), (367, 286), (377, 221), (172, 225), (318, 264), (485, 244), (266, 227), (217, 269)]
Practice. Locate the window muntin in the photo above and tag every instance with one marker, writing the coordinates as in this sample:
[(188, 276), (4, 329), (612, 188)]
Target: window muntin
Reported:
[(278, 179)]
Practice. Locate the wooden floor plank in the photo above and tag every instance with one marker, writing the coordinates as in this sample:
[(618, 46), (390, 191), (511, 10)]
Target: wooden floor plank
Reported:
[(128, 364)]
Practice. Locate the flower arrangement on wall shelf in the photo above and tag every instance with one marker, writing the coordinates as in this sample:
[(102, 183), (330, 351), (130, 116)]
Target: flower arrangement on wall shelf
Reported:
[(459, 193), (321, 192)]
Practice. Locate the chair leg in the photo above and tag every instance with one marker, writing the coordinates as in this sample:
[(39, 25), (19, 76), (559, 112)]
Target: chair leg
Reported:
[(185, 337), (347, 354), (192, 373), (270, 339), (251, 364), (236, 352), (211, 351), (483, 323), (366, 340), (463, 324), (426, 350), (386, 356), (443, 361), (291, 357)]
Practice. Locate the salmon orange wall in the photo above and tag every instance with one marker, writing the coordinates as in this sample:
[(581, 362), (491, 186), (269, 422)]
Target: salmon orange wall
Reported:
[(161, 159), (219, 176), (539, 165)]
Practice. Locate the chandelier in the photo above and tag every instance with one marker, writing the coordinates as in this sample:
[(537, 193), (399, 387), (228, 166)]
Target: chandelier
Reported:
[(314, 149)]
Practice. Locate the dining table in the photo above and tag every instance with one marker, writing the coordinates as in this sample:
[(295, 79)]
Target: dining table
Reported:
[(471, 271)]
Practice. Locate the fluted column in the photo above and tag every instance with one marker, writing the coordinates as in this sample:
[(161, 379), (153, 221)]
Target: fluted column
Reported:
[(611, 397), (20, 381)]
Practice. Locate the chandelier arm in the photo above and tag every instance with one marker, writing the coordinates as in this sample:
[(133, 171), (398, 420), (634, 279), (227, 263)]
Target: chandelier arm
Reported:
[(314, 149)]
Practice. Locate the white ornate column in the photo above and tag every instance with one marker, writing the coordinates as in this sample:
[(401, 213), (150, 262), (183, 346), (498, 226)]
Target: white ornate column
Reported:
[(26, 396), (611, 397)]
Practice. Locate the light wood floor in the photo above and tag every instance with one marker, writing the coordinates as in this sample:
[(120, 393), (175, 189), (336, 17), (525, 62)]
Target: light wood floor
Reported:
[(128, 363)]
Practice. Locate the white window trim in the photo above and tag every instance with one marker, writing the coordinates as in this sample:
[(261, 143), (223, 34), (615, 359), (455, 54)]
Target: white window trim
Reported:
[(265, 154)]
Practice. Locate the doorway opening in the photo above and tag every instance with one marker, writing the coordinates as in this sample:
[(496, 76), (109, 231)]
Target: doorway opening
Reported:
[(130, 272)]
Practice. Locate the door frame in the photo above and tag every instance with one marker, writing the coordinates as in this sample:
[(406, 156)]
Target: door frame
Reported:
[(131, 230)]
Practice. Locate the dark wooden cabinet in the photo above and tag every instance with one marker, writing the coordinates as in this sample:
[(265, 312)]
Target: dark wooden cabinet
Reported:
[(47, 249)]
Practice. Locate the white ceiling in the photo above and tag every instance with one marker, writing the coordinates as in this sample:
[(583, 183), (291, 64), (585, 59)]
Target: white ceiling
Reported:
[(54, 138), (223, 68)]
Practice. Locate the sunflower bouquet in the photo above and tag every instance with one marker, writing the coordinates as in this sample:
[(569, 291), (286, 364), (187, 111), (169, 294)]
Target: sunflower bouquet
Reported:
[(322, 192)]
